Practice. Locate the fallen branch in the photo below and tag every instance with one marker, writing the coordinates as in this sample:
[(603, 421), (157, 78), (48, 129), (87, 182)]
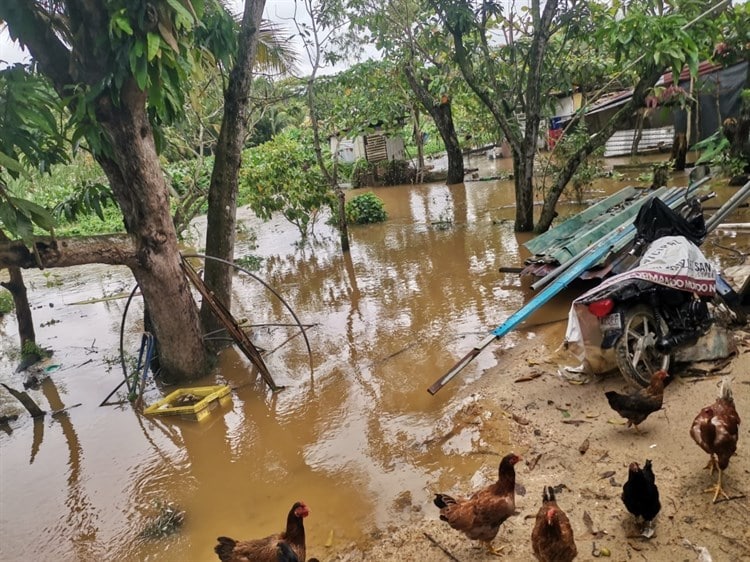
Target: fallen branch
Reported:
[(741, 496), (27, 401), (441, 547)]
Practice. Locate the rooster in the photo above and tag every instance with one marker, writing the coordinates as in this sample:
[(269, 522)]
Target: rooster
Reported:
[(552, 536), (272, 548), (480, 516), (716, 430), (640, 494), (638, 405)]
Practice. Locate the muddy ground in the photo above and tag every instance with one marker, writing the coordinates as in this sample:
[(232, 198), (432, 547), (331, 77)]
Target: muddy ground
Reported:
[(568, 435)]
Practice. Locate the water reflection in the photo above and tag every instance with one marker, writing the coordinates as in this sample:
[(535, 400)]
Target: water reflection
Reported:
[(360, 440)]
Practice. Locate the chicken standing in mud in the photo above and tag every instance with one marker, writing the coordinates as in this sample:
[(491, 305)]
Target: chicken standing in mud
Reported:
[(641, 496), (637, 406), (480, 516), (552, 537), (716, 430)]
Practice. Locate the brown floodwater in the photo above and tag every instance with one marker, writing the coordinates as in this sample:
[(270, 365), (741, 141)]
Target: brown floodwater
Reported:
[(357, 437)]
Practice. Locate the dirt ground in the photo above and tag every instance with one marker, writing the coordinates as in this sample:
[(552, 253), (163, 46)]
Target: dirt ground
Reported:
[(568, 435)]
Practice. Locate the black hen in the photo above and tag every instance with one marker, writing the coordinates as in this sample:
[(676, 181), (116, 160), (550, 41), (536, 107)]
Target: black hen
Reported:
[(637, 406), (640, 494)]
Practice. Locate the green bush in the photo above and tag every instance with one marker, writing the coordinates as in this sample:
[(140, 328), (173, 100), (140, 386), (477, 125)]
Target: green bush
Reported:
[(6, 302), (282, 175), (365, 209), (363, 173), (345, 170)]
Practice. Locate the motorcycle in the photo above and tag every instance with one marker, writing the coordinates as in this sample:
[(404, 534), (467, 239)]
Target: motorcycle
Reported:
[(637, 319)]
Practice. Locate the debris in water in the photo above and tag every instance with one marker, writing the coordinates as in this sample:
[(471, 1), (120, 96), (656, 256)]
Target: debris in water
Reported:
[(166, 522)]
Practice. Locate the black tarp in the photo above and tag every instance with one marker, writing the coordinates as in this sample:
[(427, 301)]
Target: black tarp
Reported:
[(718, 98)]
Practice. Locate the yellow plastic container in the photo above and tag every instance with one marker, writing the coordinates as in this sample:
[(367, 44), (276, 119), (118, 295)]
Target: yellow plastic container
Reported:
[(191, 403)]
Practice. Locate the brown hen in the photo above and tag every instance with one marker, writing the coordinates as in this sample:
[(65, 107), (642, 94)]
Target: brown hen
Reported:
[(716, 430), (480, 516), (552, 536), (269, 549), (638, 405)]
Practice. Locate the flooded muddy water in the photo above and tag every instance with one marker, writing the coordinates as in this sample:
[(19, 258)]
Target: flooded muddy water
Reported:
[(357, 437)]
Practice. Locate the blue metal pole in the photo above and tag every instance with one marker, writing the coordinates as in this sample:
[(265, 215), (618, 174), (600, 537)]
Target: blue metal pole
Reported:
[(595, 253)]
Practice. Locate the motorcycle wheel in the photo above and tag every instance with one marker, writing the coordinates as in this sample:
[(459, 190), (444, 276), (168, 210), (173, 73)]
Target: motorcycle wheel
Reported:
[(635, 351)]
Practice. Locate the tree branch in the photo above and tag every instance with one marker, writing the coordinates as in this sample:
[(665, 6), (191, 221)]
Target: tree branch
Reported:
[(595, 141), (111, 249), (462, 59)]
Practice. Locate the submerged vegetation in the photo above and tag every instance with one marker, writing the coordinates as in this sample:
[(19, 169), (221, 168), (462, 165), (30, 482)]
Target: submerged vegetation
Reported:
[(366, 208)]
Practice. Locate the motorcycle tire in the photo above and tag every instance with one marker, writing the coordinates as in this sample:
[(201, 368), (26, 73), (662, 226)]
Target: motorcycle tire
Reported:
[(635, 351)]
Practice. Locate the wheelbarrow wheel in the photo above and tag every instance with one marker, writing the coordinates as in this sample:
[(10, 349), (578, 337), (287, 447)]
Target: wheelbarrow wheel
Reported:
[(635, 351)]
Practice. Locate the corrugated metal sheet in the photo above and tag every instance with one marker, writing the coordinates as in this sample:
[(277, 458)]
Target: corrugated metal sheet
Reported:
[(621, 143), (566, 240)]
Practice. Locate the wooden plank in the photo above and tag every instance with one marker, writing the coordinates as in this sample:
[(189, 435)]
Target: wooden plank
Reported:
[(233, 328), (376, 148)]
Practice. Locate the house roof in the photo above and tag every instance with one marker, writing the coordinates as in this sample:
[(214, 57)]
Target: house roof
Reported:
[(617, 99), (706, 67)]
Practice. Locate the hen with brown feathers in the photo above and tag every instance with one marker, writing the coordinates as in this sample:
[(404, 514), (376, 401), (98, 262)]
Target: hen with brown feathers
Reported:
[(552, 536), (637, 406), (271, 548), (480, 516), (716, 430)]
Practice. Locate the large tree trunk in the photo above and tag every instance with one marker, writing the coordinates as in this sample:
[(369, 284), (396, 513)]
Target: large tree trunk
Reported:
[(331, 176), (141, 192), (443, 117), (222, 193), (523, 171), (131, 164), (524, 148), (597, 140)]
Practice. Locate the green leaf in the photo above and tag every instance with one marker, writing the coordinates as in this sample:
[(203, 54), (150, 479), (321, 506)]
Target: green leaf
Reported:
[(12, 164), (35, 213), (183, 15), (153, 43), (122, 23), (96, 205), (24, 228), (141, 73), (8, 217)]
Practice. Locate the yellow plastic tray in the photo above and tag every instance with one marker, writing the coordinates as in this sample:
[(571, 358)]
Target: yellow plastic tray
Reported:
[(202, 400)]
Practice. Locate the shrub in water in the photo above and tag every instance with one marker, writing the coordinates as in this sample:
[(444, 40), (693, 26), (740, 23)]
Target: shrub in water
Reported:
[(364, 209)]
